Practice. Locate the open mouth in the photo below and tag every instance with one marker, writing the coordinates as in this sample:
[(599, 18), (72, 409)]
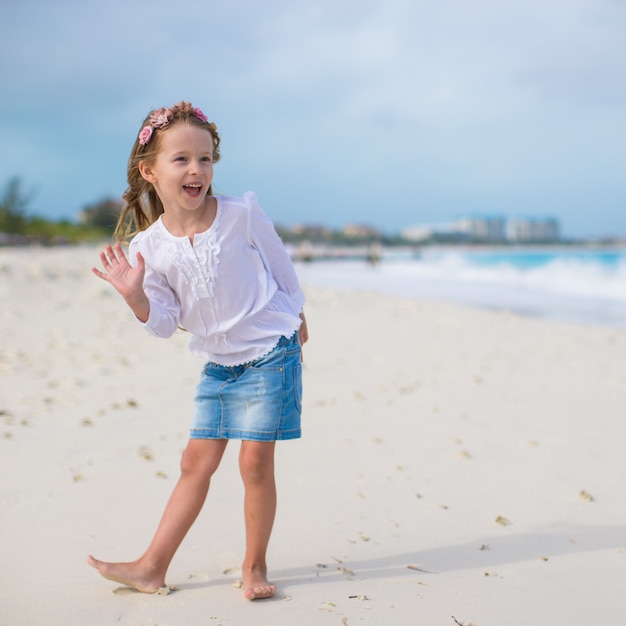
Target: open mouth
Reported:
[(193, 189)]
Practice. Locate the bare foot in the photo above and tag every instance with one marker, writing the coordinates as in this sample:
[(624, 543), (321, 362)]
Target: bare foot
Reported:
[(132, 575), (256, 585)]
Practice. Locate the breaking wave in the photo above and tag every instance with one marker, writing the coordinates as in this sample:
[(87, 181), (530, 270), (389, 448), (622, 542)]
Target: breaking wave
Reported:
[(579, 285)]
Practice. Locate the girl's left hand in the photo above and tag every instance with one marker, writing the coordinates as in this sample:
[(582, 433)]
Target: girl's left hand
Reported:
[(303, 332)]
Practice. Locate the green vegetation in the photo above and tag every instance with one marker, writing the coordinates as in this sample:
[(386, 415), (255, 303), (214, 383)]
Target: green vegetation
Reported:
[(18, 228)]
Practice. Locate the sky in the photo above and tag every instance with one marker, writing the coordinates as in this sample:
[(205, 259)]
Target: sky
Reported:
[(387, 113)]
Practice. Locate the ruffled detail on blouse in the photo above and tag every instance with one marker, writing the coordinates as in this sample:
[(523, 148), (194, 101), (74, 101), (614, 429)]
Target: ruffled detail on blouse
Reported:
[(206, 251), (197, 263)]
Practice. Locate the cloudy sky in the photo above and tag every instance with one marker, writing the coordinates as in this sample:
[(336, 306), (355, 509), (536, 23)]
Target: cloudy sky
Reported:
[(381, 112)]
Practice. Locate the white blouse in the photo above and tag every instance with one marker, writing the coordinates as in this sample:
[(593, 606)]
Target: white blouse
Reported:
[(235, 289)]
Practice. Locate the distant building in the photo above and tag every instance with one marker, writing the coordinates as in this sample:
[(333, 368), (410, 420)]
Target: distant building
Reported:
[(315, 232), (532, 230), (481, 228), (487, 229), (359, 231), (430, 232)]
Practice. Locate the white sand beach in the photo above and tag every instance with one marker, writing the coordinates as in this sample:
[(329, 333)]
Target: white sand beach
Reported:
[(458, 466)]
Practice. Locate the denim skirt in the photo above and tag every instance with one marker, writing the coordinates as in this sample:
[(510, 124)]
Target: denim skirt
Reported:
[(256, 401)]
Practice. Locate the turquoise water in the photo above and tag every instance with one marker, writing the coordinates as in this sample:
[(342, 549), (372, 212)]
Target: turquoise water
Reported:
[(528, 259), (573, 284)]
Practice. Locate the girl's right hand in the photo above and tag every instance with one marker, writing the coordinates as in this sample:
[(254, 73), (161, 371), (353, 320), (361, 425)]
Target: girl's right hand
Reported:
[(128, 280)]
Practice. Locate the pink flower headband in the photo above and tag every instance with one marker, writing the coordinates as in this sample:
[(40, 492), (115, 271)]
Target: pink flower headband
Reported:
[(161, 119)]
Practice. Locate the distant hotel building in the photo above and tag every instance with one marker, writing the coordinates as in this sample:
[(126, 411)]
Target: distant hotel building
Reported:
[(359, 231), (430, 232), (488, 229), (479, 228), (529, 230)]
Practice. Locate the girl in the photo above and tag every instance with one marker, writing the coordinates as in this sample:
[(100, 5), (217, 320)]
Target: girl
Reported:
[(215, 266)]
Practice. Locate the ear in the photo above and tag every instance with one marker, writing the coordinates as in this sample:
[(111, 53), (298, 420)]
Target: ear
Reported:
[(146, 172)]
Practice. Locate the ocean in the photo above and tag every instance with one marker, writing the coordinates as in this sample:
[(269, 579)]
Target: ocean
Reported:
[(583, 285)]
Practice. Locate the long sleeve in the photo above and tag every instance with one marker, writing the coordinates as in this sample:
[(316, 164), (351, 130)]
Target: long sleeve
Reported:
[(164, 305), (276, 259)]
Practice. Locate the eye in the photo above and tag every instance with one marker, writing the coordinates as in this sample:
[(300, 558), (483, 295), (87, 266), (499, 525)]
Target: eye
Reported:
[(181, 158), (208, 159)]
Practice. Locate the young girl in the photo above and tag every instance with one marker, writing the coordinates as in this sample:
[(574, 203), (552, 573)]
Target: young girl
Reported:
[(216, 267)]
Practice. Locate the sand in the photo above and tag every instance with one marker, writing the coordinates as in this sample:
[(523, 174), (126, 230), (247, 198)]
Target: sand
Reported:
[(458, 466)]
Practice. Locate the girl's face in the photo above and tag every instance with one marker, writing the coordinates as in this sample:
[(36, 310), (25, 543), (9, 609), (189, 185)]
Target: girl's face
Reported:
[(183, 169)]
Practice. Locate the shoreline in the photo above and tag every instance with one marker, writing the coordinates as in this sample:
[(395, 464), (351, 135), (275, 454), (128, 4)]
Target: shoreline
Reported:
[(506, 294)]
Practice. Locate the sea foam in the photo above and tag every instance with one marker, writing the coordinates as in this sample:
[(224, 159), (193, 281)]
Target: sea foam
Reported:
[(575, 285)]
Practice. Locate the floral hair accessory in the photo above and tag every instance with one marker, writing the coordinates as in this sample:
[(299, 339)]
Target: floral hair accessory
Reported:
[(200, 115), (145, 134), (161, 118)]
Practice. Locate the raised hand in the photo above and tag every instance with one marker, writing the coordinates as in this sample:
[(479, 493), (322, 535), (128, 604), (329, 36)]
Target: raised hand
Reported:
[(126, 279)]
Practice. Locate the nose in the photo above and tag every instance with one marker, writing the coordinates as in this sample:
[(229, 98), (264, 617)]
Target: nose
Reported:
[(198, 166), (194, 166)]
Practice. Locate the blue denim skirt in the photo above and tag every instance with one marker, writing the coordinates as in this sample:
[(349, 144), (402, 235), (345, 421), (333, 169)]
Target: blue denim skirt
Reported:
[(257, 401)]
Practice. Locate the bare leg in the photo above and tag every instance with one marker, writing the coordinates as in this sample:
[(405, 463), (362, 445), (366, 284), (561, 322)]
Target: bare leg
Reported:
[(199, 462), (256, 462)]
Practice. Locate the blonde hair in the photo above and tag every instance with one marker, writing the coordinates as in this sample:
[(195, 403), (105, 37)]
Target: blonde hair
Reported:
[(142, 205)]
